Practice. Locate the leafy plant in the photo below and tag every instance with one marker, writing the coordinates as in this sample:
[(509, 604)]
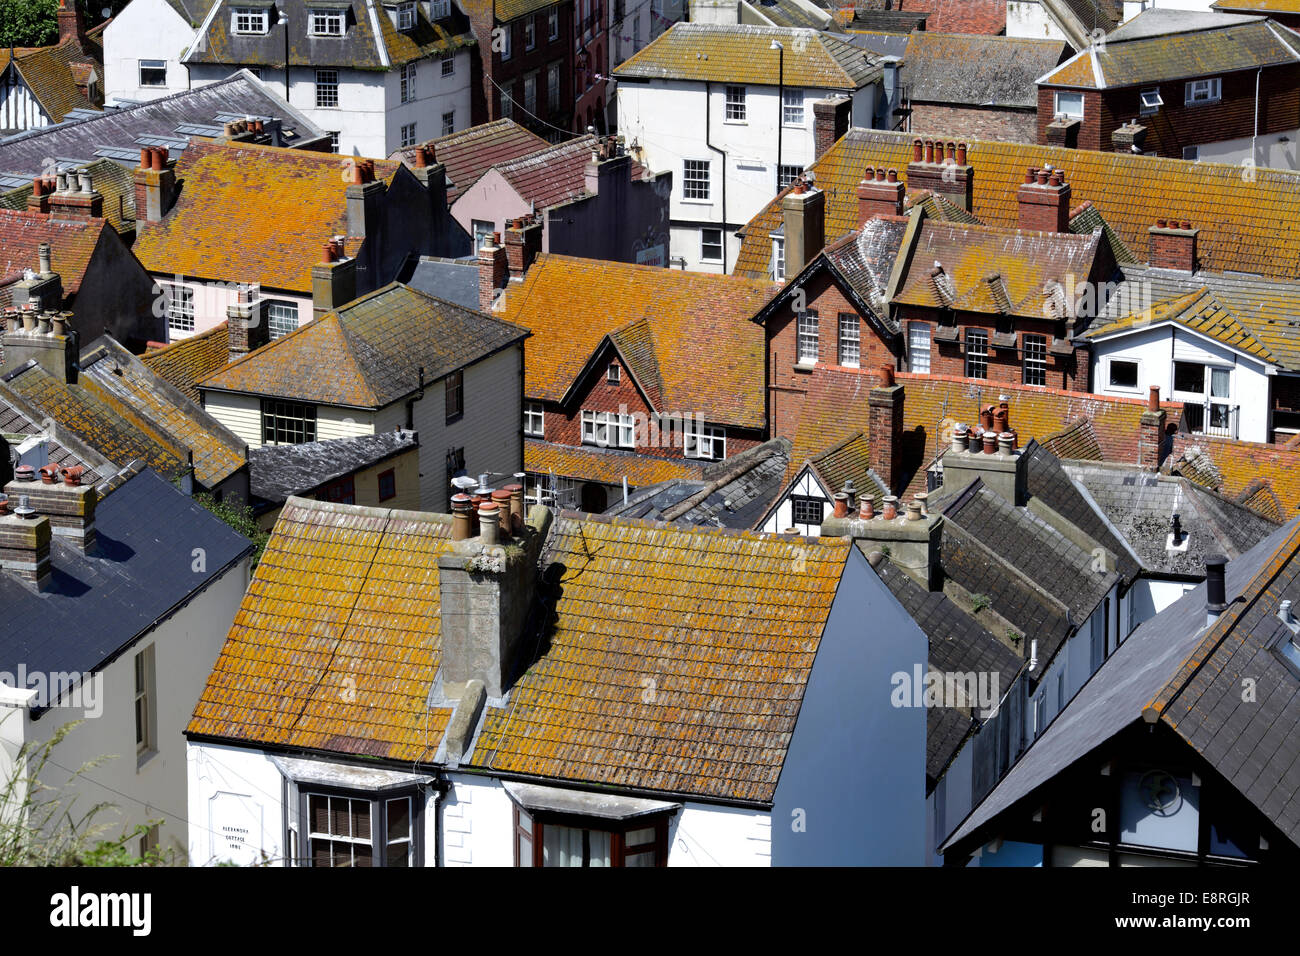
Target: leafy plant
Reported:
[(980, 602), (1014, 638), (239, 517), (28, 22)]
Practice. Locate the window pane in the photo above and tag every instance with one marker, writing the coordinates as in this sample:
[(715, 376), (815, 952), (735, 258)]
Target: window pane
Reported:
[(1124, 374), (319, 813), (525, 850), (561, 846), (399, 819), (639, 837), (599, 842), (1189, 377), (1219, 382), (639, 859), (918, 348)]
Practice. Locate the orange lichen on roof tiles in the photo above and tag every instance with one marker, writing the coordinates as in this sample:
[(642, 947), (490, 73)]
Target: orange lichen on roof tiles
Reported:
[(337, 640), (72, 245), (1235, 468), (709, 353), (1246, 223), (184, 362), (1199, 311), (252, 213), (725, 624), (610, 467)]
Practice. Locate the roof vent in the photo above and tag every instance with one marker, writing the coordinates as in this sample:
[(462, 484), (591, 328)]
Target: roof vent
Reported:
[(1178, 539)]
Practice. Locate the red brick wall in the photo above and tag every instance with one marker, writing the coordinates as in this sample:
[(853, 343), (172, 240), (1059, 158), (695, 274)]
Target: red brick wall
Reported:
[(960, 16), (487, 101), (1096, 115), (972, 122), (564, 426)]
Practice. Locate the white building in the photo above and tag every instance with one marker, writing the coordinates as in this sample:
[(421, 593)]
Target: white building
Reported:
[(134, 596), (729, 111), (377, 75), (143, 47), (659, 759)]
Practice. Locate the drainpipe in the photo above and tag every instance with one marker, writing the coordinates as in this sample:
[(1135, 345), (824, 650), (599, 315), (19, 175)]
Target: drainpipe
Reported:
[(708, 141), (1254, 155)]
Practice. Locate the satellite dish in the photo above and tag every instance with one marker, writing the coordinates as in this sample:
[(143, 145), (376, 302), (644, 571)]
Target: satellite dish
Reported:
[(106, 12)]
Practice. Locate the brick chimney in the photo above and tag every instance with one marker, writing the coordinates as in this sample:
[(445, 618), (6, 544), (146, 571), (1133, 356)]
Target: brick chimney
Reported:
[(42, 188), (247, 326), (364, 195), (75, 197), (25, 538), (1173, 245), (71, 24), (1044, 199), (1064, 131), (493, 270), (60, 496), (523, 244), (804, 213), (1151, 437), (885, 430), (333, 280), (1129, 138), (44, 337), (942, 169), (879, 194), (830, 122), (155, 185), (44, 291)]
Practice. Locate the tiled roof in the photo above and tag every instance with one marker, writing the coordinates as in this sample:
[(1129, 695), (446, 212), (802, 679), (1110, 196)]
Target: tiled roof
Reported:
[(63, 448), (48, 72), (186, 361), (276, 472), (1267, 309), (1075, 442), (504, 10), (369, 353), (112, 180), (1264, 6), (72, 245), (1026, 266), (370, 42), (709, 354), (743, 54), (957, 16), (865, 260), (215, 451), (850, 460), (1121, 63), (1199, 311), (1247, 224), (977, 70), (554, 174), (606, 465), (257, 213), (469, 153), (789, 13), (1238, 469), (728, 623), (337, 640)]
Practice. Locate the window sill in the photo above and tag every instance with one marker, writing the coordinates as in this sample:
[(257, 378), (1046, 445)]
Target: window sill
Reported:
[(803, 368), (698, 202), (453, 419), (727, 122), (144, 757)]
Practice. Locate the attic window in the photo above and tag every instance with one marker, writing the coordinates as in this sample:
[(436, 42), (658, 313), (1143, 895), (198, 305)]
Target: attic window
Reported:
[(1204, 91), (1069, 104), (1151, 102), (612, 373), (251, 21), (326, 23), (406, 16)]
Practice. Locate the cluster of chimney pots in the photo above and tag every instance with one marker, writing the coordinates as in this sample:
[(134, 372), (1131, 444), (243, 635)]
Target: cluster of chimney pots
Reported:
[(847, 499), (494, 516), (154, 157), (30, 317), (49, 476), (66, 181)]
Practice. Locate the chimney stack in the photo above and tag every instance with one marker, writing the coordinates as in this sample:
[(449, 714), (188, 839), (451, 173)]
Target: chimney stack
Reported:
[(25, 541), (246, 326), (1173, 245), (989, 453), (333, 279), (1064, 132), (1129, 138), (830, 122), (941, 168), (1151, 437), (364, 198), (44, 337), (72, 28), (885, 431), (523, 244), (1216, 597), (804, 213), (75, 197), (60, 496), (1044, 199), (879, 194), (155, 185), (493, 270), (42, 188)]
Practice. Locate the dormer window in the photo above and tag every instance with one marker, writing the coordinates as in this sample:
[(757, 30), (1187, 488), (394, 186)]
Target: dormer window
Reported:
[(612, 373), (406, 16), (326, 23), (251, 21), (439, 9), (1204, 91)]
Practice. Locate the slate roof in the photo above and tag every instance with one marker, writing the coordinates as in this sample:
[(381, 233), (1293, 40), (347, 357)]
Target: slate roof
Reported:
[(124, 381), (1241, 43), (1140, 506), (504, 10), (72, 246), (1246, 225), (742, 54), (1265, 310), (977, 70), (112, 180), (887, 21), (686, 336), (258, 213), (1172, 670), (370, 40), (991, 269), (84, 140), (728, 494), (18, 424), (368, 354), (455, 280), (191, 11), (1076, 441), (140, 570), (186, 361), (958, 645), (469, 153), (745, 620), (607, 465), (787, 13), (276, 472), (343, 597)]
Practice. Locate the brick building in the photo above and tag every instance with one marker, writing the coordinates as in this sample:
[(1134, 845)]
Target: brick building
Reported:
[(1284, 12), (1218, 87)]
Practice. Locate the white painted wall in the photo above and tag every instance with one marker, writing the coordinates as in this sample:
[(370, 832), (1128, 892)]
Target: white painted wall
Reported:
[(212, 298), (1027, 18), (18, 108), (1156, 348), (667, 120), (782, 517), (1150, 596), (1276, 150), (145, 30), (185, 647)]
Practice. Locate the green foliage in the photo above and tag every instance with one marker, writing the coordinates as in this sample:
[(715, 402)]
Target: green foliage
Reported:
[(239, 517), (28, 22), (980, 602), (38, 828), (1013, 637)]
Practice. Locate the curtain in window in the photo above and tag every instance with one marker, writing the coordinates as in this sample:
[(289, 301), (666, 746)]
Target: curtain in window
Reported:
[(561, 846)]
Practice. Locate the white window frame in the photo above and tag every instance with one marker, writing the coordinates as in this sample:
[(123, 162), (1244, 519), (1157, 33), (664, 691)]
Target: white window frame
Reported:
[(153, 65), (405, 16), (257, 22), (972, 338), (407, 135), (448, 122), (916, 331), (735, 108), (1208, 90), (1137, 373), (808, 337), (1037, 363), (530, 33), (276, 325), (778, 259), (534, 419), (598, 427), (613, 374), (553, 24), (324, 86), (1058, 110), (440, 9), (1150, 102), (408, 82), (1192, 154), (507, 35), (326, 23), (788, 174), (694, 187), (144, 699), (180, 308), (850, 339), (448, 61), (705, 244), (793, 113), (705, 442)]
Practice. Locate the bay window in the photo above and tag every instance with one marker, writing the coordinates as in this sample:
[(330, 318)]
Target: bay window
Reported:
[(554, 839)]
